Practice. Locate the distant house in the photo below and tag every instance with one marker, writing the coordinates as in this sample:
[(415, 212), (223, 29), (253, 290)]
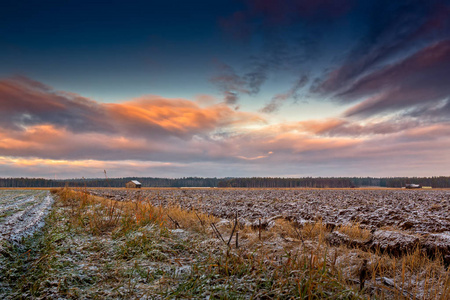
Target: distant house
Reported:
[(413, 186), (133, 184)]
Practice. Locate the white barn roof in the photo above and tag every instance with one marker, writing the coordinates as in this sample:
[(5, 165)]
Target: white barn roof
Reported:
[(136, 182)]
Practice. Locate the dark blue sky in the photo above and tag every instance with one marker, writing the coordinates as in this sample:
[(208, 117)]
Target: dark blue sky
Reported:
[(260, 83), (113, 48)]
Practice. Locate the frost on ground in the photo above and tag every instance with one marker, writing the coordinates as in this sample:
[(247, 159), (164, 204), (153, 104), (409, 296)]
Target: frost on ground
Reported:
[(22, 212)]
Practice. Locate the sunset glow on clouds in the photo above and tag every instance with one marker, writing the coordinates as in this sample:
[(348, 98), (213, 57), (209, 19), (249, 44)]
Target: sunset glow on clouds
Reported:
[(391, 88), (153, 134)]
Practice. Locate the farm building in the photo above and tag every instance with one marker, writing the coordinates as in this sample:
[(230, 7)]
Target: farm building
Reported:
[(133, 184)]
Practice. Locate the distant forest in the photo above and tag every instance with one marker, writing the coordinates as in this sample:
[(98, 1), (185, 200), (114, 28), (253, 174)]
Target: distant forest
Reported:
[(254, 182)]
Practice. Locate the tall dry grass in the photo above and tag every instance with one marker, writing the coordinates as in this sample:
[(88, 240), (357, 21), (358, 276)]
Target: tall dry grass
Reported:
[(102, 215)]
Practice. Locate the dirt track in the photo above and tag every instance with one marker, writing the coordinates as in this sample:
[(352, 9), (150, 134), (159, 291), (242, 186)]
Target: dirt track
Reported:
[(22, 212)]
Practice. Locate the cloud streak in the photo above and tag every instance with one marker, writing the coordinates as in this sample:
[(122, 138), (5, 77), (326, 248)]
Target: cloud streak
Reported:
[(279, 99), (401, 65), (394, 29), (281, 46), (419, 80)]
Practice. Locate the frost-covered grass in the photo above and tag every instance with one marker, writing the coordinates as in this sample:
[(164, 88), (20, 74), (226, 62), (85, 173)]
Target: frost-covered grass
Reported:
[(92, 247), (21, 212)]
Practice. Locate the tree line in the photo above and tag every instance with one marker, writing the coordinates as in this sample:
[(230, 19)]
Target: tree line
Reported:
[(245, 182), (109, 182), (335, 182)]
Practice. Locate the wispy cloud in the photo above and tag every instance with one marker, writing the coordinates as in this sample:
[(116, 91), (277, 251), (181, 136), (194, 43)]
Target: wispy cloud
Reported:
[(419, 80), (282, 47), (395, 28), (230, 84), (255, 157), (278, 100)]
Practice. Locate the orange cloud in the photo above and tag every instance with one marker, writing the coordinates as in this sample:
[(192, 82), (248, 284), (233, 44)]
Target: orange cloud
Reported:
[(26, 103), (177, 116)]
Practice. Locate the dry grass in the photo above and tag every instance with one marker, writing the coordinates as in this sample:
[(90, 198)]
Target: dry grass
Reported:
[(413, 275), (108, 215), (355, 231)]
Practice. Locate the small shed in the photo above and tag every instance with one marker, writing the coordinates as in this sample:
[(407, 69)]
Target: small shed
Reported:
[(133, 184)]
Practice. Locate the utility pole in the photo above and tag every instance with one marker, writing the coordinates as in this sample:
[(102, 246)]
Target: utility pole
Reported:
[(106, 177)]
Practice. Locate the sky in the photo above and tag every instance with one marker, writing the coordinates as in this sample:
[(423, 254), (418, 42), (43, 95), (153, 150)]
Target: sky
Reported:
[(246, 88)]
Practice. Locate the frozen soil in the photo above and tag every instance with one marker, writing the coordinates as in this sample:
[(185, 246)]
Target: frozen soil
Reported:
[(399, 220), (411, 210), (22, 212)]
